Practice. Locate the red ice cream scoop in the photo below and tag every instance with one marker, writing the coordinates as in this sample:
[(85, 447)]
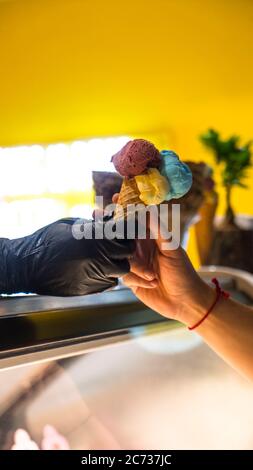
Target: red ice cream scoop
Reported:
[(135, 157)]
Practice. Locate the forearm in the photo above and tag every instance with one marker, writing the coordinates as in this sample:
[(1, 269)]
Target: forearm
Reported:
[(180, 293), (228, 330)]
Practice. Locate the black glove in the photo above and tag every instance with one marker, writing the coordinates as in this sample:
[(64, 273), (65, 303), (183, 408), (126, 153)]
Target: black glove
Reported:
[(52, 261)]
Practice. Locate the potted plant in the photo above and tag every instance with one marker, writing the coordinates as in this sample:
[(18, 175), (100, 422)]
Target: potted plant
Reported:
[(234, 159), (232, 242)]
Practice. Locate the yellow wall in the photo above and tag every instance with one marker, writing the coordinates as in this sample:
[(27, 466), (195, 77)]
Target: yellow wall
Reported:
[(77, 68)]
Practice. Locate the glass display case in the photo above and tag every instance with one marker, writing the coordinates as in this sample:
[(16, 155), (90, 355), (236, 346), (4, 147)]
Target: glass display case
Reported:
[(105, 372)]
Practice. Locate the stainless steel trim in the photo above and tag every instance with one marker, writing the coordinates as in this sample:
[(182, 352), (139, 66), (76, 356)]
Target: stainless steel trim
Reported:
[(76, 349), (40, 328)]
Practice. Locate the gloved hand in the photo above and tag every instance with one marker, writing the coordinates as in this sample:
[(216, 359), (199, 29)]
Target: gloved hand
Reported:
[(52, 261)]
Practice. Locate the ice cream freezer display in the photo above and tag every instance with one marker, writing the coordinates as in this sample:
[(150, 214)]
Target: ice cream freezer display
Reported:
[(38, 327), (105, 372)]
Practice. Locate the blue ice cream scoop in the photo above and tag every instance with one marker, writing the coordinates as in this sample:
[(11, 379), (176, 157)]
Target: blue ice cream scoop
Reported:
[(178, 174)]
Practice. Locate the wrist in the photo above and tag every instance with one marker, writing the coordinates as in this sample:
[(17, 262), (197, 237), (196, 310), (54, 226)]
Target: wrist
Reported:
[(197, 304)]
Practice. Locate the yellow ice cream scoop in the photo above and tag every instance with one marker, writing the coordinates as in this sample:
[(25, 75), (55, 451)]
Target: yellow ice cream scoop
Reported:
[(153, 187)]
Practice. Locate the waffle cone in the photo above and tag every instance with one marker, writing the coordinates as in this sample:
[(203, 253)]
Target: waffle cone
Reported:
[(129, 194)]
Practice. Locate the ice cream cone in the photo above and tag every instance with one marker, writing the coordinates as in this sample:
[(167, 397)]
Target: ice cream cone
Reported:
[(129, 194)]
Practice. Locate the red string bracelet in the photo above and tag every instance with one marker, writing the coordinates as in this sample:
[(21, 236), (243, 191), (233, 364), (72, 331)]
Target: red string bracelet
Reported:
[(219, 293)]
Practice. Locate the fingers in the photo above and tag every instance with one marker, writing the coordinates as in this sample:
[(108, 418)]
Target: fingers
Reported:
[(123, 249), (145, 252), (159, 230), (141, 270), (133, 281), (98, 214), (120, 249), (117, 268), (115, 198)]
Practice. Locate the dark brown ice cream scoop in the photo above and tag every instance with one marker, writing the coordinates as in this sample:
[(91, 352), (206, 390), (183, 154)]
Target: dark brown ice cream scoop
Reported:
[(135, 157)]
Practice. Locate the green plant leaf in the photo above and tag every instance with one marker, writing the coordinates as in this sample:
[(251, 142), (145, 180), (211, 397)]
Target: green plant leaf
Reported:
[(242, 185), (235, 160)]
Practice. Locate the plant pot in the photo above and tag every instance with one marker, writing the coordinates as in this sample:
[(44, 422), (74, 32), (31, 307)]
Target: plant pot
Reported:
[(232, 246)]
